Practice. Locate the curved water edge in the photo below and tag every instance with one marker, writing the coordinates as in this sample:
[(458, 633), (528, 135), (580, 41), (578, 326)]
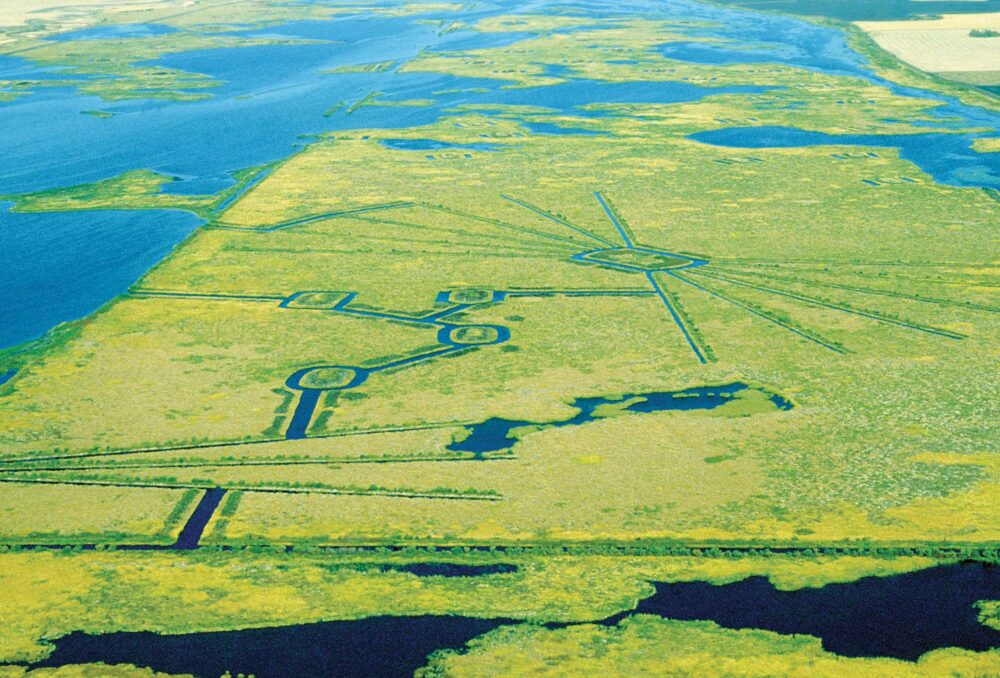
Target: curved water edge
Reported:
[(937, 606)]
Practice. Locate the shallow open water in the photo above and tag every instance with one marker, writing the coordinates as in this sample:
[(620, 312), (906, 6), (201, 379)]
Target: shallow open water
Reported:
[(61, 266)]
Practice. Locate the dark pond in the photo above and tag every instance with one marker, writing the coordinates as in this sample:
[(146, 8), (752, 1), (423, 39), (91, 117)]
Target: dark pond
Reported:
[(497, 434), (449, 569), (902, 616), (377, 647)]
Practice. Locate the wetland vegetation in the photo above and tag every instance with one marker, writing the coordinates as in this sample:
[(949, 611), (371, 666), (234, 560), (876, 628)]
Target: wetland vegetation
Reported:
[(528, 339)]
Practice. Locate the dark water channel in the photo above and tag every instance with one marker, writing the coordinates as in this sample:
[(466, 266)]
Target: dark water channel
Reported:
[(902, 616), (191, 533)]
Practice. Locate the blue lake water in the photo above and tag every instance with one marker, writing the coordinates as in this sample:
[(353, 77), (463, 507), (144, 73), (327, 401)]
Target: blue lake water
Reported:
[(61, 266), (16, 68), (872, 10), (568, 96), (949, 158), (433, 145), (755, 38), (116, 31), (713, 53), (272, 98), (750, 37)]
